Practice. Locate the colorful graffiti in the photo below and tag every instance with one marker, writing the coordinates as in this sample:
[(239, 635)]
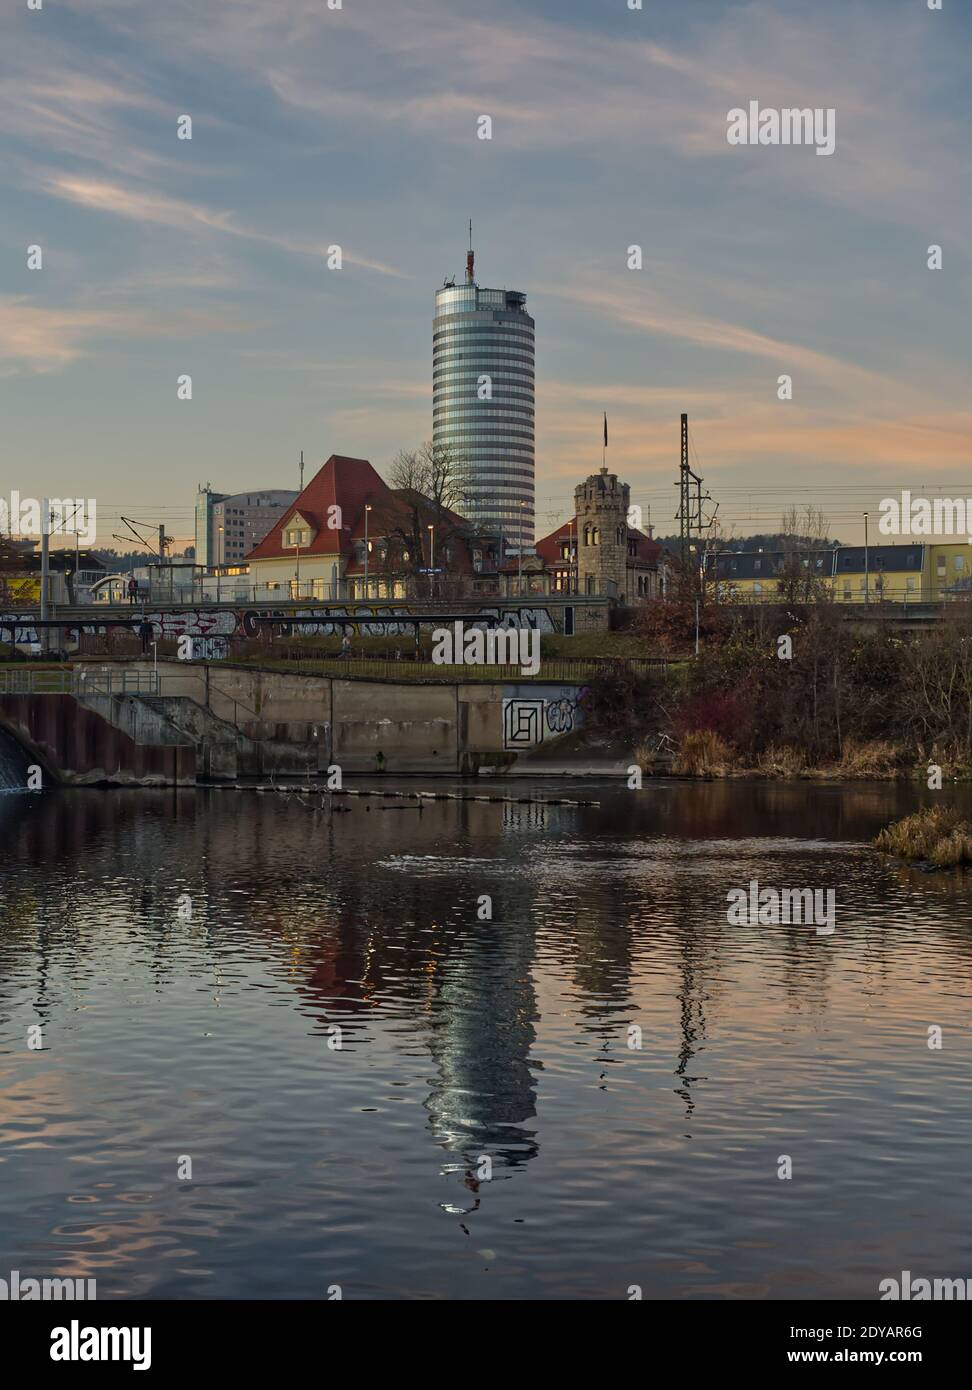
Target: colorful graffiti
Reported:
[(535, 714), (214, 623)]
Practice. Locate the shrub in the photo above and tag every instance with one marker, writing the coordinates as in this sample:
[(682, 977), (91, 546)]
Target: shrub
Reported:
[(935, 833), (870, 758), (702, 754), (782, 760)]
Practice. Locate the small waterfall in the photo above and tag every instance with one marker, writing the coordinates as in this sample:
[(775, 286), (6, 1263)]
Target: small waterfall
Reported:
[(13, 765)]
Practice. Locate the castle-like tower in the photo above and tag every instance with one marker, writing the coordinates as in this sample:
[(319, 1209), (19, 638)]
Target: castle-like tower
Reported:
[(601, 506)]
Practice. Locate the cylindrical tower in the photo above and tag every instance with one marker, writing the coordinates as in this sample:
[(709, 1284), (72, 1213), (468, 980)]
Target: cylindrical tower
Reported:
[(483, 401)]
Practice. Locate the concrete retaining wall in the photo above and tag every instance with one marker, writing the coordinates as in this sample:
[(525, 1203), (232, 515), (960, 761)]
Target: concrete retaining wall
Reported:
[(76, 744), (435, 727)]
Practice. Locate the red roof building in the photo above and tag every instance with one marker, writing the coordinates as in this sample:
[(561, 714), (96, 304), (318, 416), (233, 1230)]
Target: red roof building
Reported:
[(349, 535)]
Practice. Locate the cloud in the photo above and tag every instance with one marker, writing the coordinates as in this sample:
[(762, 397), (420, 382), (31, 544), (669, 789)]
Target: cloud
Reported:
[(99, 195), (39, 339)]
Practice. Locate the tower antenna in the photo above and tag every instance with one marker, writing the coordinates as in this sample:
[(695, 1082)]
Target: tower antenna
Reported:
[(470, 258)]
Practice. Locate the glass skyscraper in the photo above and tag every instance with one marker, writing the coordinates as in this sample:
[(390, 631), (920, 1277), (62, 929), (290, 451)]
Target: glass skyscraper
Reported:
[(483, 401)]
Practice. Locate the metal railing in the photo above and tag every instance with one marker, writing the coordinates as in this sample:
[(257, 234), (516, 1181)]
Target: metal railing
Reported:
[(567, 670), (117, 680)]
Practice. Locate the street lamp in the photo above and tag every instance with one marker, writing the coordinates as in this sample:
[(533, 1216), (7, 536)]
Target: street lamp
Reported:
[(867, 577), (219, 566), (367, 510), (431, 531), (297, 570)]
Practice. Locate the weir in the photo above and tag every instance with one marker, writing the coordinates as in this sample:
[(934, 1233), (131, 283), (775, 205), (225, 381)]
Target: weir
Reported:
[(13, 765)]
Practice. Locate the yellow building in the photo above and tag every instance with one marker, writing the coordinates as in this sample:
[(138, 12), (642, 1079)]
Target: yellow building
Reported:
[(912, 573)]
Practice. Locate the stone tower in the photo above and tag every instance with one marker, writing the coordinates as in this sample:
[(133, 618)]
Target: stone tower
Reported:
[(601, 505)]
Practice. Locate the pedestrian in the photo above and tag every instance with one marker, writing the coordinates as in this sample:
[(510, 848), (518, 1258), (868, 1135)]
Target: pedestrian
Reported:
[(345, 643), (133, 590)]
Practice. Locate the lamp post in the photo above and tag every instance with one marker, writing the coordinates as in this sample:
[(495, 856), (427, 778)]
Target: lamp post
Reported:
[(431, 531), (366, 511), (867, 576), (219, 566), (297, 570)]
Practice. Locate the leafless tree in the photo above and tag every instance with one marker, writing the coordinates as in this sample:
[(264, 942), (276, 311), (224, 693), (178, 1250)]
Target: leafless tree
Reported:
[(805, 573)]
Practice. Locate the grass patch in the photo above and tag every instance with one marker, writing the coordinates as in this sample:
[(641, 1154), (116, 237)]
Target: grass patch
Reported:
[(874, 758), (702, 754), (937, 835)]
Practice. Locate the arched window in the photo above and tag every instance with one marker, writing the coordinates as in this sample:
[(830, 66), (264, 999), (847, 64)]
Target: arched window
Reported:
[(595, 535), (587, 535)]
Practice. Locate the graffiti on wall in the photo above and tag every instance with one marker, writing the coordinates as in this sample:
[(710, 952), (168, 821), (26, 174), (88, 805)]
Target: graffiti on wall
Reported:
[(534, 714), (370, 621)]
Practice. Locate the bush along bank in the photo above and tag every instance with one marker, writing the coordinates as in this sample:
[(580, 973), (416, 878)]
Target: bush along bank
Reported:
[(794, 691)]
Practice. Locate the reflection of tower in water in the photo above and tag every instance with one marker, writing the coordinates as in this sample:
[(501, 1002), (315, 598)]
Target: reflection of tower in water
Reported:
[(485, 1011), (691, 995)]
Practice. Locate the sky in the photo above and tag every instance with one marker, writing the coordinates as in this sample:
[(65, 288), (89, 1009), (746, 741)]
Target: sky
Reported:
[(357, 127)]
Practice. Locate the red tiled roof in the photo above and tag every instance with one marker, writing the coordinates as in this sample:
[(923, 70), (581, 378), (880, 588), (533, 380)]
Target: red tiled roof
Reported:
[(342, 482), (548, 549)]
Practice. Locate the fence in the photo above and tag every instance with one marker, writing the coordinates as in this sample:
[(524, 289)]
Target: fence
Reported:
[(108, 680), (561, 670)]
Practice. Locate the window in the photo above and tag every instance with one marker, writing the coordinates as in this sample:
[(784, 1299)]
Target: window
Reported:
[(959, 562), (757, 587)]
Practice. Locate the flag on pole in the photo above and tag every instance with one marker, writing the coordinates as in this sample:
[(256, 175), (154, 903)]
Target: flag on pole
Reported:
[(605, 429)]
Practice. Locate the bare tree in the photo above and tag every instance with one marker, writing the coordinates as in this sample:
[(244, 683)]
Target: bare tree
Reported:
[(804, 576), (430, 492)]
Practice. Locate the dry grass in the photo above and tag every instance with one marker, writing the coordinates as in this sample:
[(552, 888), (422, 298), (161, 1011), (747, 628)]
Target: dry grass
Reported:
[(702, 754), (781, 760), (936, 834), (877, 758)]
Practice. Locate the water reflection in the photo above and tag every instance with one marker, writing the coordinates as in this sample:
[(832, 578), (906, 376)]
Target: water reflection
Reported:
[(191, 954)]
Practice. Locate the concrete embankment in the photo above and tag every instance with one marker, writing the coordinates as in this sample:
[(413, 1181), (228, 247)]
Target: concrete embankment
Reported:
[(216, 722), (77, 743), (435, 726)]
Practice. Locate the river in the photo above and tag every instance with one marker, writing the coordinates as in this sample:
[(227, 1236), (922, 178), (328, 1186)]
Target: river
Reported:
[(383, 1089)]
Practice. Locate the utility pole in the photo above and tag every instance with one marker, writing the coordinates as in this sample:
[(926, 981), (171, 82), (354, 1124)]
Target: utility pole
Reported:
[(45, 569), (691, 498)]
